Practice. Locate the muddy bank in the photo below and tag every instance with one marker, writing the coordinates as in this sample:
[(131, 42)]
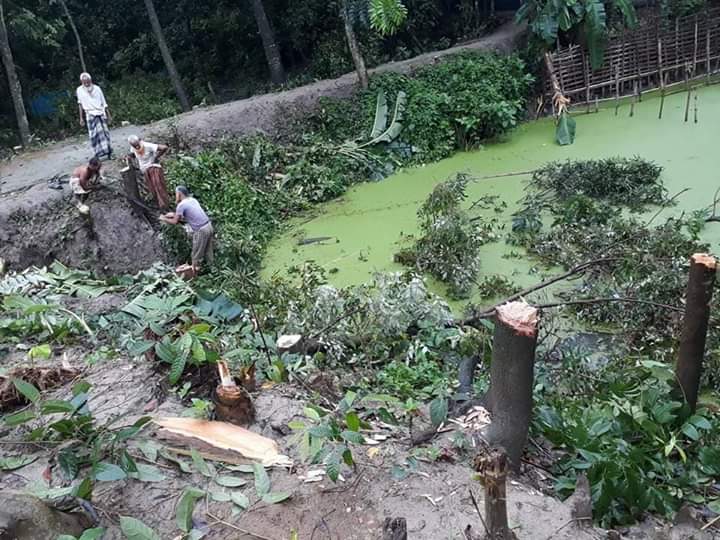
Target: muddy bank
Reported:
[(40, 225)]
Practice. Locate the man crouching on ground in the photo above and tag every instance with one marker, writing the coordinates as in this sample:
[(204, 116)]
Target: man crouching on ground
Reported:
[(83, 178), (201, 229)]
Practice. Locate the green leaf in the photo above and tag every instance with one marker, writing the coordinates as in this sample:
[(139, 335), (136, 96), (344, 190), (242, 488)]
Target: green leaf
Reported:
[(184, 465), (69, 464), (27, 389), (147, 473), (80, 387), (296, 426), (41, 351), (565, 131), (353, 437), (276, 497), (183, 516), (241, 468), (230, 481), (149, 449), (691, 431), (52, 406), (19, 418), (438, 411), (202, 466), (165, 352), (700, 422), (66, 537), (134, 529), (83, 490), (262, 480), (381, 115), (92, 534), (12, 463), (107, 472), (177, 368), (312, 414), (240, 499), (353, 421), (220, 496)]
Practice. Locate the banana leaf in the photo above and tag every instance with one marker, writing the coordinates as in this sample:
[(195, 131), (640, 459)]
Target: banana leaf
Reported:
[(565, 131), (395, 126), (381, 116)]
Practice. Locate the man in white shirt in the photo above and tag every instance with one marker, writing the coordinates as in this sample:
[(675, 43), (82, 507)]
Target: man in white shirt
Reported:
[(94, 113), (148, 156)]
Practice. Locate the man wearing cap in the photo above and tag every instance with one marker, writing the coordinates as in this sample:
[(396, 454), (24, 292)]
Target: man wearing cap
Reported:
[(95, 114), (188, 210), (148, 156), (83, 178)]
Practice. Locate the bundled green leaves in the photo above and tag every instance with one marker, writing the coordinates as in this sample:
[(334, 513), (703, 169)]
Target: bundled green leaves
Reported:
[(632, 182)]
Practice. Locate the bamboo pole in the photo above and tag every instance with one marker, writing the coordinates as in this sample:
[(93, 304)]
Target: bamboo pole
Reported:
[(696, 108), (586, 70), (688, 370), (689, 93), (707, 50), (617, 90), (695, 47)]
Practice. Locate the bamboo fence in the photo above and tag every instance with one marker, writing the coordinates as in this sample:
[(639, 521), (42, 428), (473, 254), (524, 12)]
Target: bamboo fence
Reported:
[(656, 54)]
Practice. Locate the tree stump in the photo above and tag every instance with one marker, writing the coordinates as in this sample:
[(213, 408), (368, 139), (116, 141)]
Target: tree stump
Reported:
[(395, 529), (493, 469), (232, 402), (511, 378), (130, 188), (695, 325)]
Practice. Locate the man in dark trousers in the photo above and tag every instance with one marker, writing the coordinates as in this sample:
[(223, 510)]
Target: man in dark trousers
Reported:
[(198, 224)]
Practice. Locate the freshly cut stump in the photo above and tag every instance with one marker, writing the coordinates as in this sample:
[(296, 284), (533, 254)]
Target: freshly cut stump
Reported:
[(511, 378), (493, 469), (701, 279)]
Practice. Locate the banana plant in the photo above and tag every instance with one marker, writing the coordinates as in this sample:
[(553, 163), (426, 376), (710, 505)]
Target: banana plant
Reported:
[(379, 132)]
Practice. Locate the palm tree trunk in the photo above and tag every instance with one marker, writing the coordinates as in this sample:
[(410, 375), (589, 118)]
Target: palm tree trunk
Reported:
[(355, 51), (272, 52), (13, 81), (81, 55), (167, 57)]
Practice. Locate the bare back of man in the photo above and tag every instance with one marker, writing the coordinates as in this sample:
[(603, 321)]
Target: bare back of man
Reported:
[(83, 177)]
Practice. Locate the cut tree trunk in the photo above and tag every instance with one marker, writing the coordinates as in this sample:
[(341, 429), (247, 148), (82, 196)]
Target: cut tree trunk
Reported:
[(493, 469), (695, 325), (130, 188), (354, 46), (13, 81), (74, 29), (167, 57), (232, 402), (272, 51), (511, 378), (395, 529)]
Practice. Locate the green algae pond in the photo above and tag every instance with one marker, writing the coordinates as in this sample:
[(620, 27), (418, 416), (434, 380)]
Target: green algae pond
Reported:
[(365, 228)]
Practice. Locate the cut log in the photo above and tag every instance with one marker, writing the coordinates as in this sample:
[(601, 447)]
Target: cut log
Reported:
[(395, 529), (493, 469), (688, 370), (227, 437), (131, 190), (511, 378)]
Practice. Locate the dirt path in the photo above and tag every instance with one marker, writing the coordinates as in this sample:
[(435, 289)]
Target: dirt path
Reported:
[(261, 113)]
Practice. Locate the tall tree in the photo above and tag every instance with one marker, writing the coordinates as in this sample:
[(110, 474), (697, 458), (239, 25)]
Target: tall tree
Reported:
[(355, 52), (71, 21), (385, 16), (167, 57), (13, 81), (272, 52)]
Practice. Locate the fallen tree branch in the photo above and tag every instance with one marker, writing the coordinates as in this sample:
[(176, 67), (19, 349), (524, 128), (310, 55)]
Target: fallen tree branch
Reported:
[(589, 301)]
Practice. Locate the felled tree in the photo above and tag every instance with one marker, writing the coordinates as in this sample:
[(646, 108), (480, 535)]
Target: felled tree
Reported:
[(450, 239)]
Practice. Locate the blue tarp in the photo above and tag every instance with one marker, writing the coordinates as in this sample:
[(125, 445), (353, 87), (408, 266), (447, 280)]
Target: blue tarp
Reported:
[(45, 105)]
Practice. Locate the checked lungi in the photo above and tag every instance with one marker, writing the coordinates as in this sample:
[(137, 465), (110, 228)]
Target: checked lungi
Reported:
[(99, 135), (155, 182)]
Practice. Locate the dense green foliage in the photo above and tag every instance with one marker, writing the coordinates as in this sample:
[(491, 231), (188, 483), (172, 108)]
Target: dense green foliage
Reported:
[(640, 449), (250, 186)]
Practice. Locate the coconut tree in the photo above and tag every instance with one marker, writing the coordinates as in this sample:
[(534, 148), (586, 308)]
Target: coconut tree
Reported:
[(385, 17), (13, 81), (272, 51), (167, 57)]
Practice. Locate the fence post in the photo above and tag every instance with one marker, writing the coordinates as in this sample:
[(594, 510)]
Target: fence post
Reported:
[(688, 369), (511, 378)]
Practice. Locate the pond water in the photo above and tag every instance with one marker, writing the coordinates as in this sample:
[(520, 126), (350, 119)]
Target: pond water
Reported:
[(367, 224)]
